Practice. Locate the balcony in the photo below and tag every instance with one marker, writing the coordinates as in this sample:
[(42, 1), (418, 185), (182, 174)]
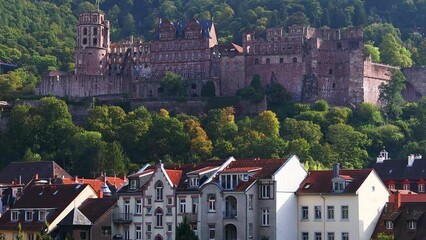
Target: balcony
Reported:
[(192, 217), (231, 214), (122, 217)]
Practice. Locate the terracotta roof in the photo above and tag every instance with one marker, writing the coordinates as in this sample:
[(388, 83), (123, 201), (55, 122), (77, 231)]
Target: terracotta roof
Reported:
[(94, 183), (54, 197), (27, 170), (114, 181), (320, 181), (174, 176)]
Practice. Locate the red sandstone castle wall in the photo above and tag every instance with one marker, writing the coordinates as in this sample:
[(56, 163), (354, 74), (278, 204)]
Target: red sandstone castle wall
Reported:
[(374, 76)]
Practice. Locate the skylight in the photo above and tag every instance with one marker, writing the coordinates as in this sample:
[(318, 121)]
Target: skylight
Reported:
[(307, 185)]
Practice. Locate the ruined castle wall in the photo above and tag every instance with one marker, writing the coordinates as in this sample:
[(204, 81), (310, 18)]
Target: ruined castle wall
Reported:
[(374, 76), (232, 74), (416, 83), (82, 86)]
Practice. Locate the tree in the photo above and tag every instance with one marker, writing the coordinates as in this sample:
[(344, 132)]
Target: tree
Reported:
[(220, 124), (393, 53), (349, 145), (300, 129), (367, 114), (106, 120), (254, 92), (373, 52), (267, 123), (201, 146), (173, 85), (383, 236), (184, 231), (391, 94)]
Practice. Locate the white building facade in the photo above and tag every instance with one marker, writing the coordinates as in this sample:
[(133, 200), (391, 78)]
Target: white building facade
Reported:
[(340, 204)]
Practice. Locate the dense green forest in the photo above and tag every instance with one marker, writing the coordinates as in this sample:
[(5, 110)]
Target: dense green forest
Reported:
[(40, 35)]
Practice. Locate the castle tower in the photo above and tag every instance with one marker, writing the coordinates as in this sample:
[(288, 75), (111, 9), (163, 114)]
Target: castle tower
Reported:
[(92, 44)]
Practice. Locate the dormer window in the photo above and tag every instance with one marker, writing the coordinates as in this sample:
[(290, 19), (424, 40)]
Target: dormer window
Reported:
[(14, 215), (338, 186), (28, 215), (389, 225), (194, 182), (132, 184), (42, 215), (412, 225), (229, 181), (406, 184)]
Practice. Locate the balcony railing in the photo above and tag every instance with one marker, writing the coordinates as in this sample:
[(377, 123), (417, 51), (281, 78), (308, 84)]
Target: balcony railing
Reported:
[(232, 214), (122, 217)]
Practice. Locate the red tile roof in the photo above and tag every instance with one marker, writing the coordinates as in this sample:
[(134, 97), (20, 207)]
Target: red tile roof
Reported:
[(94, 183), (320, 181), (55, 197), (174, 176), (115, 181)]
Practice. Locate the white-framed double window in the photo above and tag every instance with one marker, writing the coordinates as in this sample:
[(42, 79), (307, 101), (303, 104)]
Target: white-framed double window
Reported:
[(265, 217)]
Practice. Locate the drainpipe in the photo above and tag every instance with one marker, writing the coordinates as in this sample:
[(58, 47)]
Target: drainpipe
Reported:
[(247, 228), (323, 218)]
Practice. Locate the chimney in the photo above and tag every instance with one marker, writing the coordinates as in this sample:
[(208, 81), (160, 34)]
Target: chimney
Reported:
[(382, 156), (36, 176), (397, 200), (411, 159), (101, 194), (336, 170), (76, 179)]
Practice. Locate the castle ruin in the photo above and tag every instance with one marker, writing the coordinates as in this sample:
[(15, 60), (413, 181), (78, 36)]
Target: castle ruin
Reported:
[(310, 63)]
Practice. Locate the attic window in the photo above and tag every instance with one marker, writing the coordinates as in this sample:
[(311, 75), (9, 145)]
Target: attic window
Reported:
[(42, 215), (193, 182), (412, 225), (339, 186), (55, 192), (28, 215), (307, 185), (14, 215), (133, 184), (78, 186), (389, 225)]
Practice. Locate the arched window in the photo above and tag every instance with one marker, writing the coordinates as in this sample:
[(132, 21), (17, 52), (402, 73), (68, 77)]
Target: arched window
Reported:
[(158, 237), (159, 191), (212, 203), (159, 217)]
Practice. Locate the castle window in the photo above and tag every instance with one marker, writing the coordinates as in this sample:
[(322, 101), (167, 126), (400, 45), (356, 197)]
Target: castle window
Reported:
[(193, 86), (256, 61), (334, 85), (84, 41), (339, 45), (295, 60), (160, 89), (330, 71), (95, 41), (268, 61), (84, 31), (95, 31), (281, 60)]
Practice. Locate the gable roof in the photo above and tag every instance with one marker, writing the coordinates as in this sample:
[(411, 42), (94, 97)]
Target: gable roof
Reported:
[(263, 168), (55, 198), (25, 171), (95, 208), (320, 181), (75, 217)]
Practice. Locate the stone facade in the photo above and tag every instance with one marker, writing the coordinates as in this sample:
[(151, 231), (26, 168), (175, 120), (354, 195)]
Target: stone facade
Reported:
[(311, 63)]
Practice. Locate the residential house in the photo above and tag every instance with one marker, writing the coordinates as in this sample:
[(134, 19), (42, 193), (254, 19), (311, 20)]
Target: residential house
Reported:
[(90, 221), (251, 199), (340, 204), (41, 204), (148, 206), (402, 174)]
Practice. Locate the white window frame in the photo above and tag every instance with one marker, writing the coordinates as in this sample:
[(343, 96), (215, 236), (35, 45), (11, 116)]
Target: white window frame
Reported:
[(265, 217), (42, 215), (182, 205), (318, 236), (138, 233), (412, 225), (159, 218), (132, 184), (421, 188), (159, 187), (212, 203), (317, 212), (195, 202), (330, 212), (304, 213), (405, 186), (265, 191), (29, 215), (250, 202), (305, 236), (212, 232), (345, 236), (345, 212), (330, 236), (14, 215), (138, 206), (389, 224)]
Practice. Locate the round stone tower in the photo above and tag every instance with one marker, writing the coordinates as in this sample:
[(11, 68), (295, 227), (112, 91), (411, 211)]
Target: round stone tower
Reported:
[(91, 53)]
